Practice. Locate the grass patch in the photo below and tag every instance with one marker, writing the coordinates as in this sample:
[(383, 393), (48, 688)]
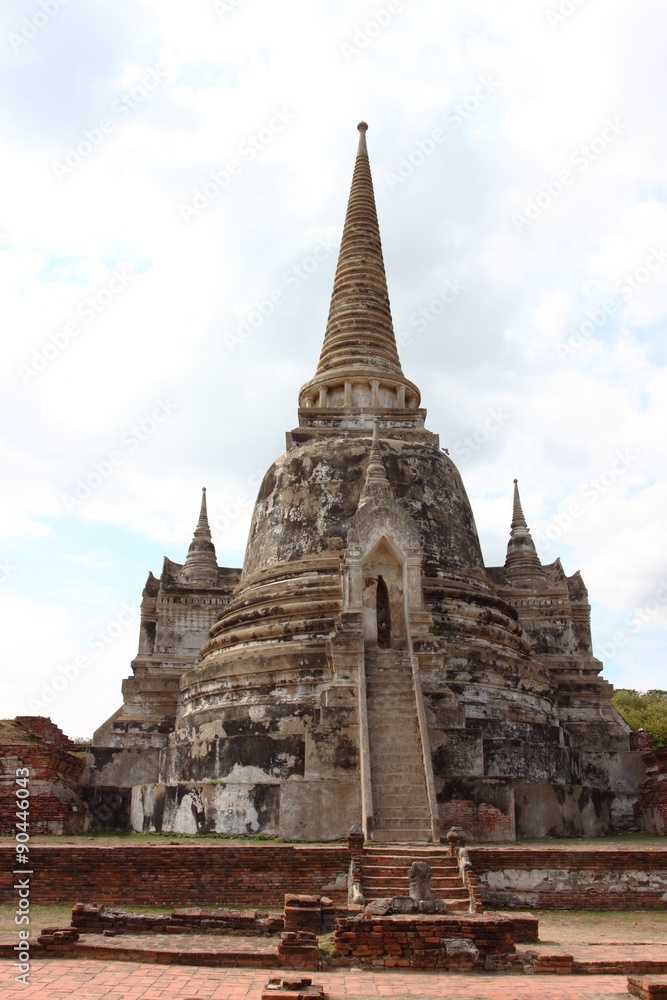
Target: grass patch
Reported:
[(113, 839), (58, 915)]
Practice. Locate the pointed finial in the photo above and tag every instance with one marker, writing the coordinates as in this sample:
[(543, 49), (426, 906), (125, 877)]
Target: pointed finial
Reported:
[(362, 149), (203, 513), (518, 520), (522, 564), (201, 565)]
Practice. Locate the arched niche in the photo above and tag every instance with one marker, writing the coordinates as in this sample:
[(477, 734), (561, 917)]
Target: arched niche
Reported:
[(383, 597)]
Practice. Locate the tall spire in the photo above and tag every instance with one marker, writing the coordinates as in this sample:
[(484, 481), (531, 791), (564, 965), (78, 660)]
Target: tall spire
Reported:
[(522, 564), (201, 566), (359, 367), (359, 328)]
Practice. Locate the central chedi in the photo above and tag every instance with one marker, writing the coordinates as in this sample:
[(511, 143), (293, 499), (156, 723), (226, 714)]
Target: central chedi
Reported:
[(367, 667)]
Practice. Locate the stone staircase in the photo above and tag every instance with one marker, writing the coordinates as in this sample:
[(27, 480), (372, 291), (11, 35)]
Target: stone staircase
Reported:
[(384, 872), (400, 797)]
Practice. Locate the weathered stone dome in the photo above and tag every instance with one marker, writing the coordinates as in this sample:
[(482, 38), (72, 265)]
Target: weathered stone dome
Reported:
[(310, 494)]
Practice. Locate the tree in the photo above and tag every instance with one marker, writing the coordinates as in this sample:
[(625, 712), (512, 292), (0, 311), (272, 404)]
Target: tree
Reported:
[(644, 710)]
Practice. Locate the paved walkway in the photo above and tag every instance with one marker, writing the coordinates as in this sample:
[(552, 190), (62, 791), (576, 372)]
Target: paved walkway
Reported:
[(59, 979)]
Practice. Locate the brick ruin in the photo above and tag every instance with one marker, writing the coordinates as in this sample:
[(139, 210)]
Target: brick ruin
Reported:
[(55, 764), (365, 666)]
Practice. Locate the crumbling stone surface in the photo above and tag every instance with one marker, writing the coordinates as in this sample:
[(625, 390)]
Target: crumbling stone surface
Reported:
[(94, 918)]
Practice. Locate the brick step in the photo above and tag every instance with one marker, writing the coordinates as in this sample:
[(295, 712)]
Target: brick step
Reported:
[(393, 870), (420, 836), (444, 875), (401, 889), (436, 851)]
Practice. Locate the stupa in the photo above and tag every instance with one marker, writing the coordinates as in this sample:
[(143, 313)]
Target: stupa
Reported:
[(365, 667)]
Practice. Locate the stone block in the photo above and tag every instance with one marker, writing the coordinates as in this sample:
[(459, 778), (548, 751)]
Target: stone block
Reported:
[(544, 810), (318, 810)]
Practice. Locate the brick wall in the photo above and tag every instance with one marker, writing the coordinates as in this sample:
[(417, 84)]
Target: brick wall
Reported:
[(653, 793), (439, 942), (237, 876), (562, 879), (54, 803), (184, 875)]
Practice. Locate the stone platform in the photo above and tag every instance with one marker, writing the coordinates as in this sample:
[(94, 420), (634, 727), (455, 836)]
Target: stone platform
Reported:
[(582, 963), (65, 979)]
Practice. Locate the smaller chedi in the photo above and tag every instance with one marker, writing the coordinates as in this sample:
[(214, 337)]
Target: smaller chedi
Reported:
[(365, 666)]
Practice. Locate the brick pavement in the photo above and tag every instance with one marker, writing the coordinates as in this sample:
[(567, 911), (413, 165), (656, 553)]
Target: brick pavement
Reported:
[(60, 979)]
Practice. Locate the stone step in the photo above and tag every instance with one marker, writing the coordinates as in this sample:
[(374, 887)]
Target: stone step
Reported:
[(392, 800), (399, 823), (398, 779), (395, 729), (382, 685), (399, 809)]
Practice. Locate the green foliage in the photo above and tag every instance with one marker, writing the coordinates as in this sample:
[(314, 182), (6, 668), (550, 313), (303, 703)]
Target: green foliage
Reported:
[(644, 710)]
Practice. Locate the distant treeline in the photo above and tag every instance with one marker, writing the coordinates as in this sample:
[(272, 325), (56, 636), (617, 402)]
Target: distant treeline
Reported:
[(644, 710)]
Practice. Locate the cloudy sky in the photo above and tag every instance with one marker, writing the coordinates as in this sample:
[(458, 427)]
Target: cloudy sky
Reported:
[(175, 179)]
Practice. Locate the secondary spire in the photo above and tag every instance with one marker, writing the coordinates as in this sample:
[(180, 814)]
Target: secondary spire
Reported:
[(376, 481), (201, 565), (522, 564)]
